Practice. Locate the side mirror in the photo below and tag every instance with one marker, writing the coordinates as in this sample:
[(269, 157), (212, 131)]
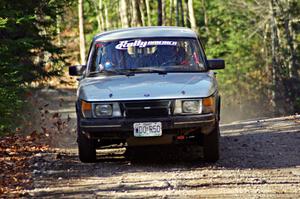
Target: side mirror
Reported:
[(215, 64), (76, 70)]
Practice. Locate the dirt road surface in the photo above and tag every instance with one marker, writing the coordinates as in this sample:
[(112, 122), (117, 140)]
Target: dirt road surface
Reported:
[(259, 159)]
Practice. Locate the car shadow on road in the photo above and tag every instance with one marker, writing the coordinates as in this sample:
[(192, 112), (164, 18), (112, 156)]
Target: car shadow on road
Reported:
[(265, 145), (262, 144)]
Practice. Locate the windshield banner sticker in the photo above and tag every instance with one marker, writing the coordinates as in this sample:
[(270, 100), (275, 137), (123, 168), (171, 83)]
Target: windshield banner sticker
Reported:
[(123, 45)]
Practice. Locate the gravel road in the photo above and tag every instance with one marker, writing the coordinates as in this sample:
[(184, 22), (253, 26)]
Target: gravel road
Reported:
[(259, 159)]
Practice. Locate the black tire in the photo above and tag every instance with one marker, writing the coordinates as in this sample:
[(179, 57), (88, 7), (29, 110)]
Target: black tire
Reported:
[(211, 145), (131, 153), (86, 148)]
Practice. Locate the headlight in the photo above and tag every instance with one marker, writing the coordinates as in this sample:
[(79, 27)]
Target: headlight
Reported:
[(107, 110), (95, 110), (191, 106), (103, 110), (188, 107), (195, 106)]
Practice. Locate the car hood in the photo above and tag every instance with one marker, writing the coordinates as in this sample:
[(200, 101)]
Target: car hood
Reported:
[(147, 86)]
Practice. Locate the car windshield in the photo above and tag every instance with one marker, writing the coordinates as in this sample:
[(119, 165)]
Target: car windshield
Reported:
[(147, 55)]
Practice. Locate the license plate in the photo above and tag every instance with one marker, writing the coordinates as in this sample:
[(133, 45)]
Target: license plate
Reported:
[(147, 129)]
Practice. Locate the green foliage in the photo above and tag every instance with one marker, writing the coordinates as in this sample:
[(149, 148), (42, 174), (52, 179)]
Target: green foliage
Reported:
[(27, 52), (240, 33)]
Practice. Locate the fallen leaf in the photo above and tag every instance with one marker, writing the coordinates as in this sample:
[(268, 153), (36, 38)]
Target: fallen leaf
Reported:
[(55, 115)]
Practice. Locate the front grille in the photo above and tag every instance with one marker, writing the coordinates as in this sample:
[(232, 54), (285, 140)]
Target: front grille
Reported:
[(142, 109)]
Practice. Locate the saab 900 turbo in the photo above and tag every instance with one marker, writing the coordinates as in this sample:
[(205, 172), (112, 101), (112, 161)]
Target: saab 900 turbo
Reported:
[(147, 86)]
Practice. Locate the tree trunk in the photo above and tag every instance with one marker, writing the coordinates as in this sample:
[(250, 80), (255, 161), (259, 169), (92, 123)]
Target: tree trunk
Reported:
[(181, 12), (192, 15), (290, 45), (148, 12), (159, 12), (177, 12), (290, 81), (187, 16), (164, 14), (107, 25), (171, 12), (117, 23), (124, 13), (100, 13), (205, 17), (98, 18), (98, 21), (81, 32), (277, 96), (142, 8), (58, 28), (136, 18)]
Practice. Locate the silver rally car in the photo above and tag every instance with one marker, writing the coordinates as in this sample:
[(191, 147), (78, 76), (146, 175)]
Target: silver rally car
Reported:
[(147, 86)]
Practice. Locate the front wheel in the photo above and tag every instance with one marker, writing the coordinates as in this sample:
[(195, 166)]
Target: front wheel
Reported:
[(86, 148), (211, 145)]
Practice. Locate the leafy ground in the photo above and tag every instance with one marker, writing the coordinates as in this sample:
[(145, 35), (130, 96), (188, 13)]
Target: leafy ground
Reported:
[(19, 152), (16, 156)]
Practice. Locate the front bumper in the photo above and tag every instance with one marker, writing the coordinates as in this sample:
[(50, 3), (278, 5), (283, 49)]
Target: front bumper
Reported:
[(122, 128)]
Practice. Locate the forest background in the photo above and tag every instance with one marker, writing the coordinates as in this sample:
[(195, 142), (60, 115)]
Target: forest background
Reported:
[(259, 40)]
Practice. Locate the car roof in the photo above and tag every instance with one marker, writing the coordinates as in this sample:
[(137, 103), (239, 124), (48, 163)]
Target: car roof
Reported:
[(148, 32)]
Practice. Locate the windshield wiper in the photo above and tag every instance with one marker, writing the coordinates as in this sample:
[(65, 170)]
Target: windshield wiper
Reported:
[(119, 72), (91, 74), (131, 71), (149, 70), (109, 72)]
